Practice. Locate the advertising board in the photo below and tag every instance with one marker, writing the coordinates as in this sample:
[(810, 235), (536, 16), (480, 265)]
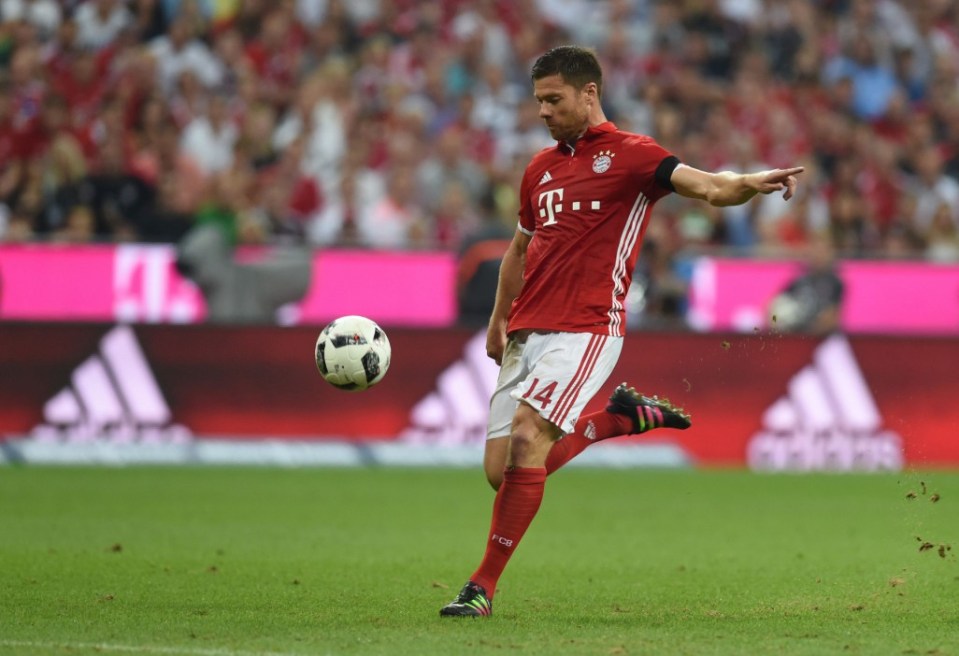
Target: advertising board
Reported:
[(767, 401)]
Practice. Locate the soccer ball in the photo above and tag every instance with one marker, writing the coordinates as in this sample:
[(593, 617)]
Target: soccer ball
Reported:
[(353, 353)]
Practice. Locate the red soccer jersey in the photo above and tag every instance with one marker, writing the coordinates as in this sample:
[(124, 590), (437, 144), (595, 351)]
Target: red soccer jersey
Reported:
[(586, 209)]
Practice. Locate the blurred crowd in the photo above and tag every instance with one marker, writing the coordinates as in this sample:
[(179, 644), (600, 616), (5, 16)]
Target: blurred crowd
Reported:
[(407, 124)]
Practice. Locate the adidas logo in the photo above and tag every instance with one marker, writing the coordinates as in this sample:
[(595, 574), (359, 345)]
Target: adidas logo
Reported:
[(828, 420), (590, 431), (456, 412), (114, 397), (546, 178)]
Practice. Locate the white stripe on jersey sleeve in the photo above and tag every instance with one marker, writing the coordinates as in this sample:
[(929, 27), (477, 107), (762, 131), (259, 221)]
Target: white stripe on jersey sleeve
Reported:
[(627, 240)]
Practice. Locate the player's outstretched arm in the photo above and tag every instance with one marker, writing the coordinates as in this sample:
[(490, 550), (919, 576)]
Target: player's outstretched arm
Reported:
[(728, 188), (507, 289)]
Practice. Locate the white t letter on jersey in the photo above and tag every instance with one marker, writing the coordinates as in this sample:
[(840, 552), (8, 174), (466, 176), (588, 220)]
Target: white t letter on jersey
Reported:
[(551, 207)]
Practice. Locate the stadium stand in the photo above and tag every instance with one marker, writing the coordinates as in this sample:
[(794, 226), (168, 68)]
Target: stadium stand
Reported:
[(406, 124)]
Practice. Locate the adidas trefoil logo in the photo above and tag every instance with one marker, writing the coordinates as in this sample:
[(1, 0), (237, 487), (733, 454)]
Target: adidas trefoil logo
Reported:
[(546, 178), (828, 420), (112, 397)]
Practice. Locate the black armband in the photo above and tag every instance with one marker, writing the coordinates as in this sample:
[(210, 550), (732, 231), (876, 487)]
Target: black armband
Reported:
[(665, 171)]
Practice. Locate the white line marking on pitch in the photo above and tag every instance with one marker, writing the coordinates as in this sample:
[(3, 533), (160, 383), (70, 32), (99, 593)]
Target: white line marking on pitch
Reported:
[(136, 649)]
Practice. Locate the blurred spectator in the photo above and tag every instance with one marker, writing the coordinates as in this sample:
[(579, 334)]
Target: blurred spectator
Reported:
[(852, 231), (740, 220), (114, 194), (873, 83), (82, 83), (64, 172), (335, 35), (657, 296), (931, 188), (292, 198), (16, 225), (99, 22), (526, 137), (445, 165), (194, 100), (11, 165), (199, 12), (241, 292), (180, 50), (942, 236), (158, 157), (397, 220), (274, 55), (455, 216), (320, 117), (628, 29), (169, 217), (812, 301), (478, 262), (336, 221), (44, 15), (78, 228), (497, 100), (210, 137)]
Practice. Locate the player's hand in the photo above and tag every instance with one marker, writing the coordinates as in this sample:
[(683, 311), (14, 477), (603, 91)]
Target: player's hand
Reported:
[(768, 182), (496, 340)]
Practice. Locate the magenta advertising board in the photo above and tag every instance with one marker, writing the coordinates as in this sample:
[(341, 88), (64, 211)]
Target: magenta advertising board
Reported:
[(140, 283), (881, 297), (137, 283)]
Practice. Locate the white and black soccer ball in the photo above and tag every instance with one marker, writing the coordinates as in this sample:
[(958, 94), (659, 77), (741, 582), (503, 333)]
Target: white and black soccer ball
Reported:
[(353, 353)]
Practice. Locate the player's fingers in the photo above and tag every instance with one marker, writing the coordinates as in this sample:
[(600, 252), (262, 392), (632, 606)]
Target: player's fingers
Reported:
[(796, 170), (791, 183)]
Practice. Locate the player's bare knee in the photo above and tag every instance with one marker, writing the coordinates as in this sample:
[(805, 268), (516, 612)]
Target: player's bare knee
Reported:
[(522, 445), (530, 439)]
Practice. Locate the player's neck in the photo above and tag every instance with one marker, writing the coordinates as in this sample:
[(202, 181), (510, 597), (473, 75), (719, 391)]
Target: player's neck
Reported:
[(596, 117)]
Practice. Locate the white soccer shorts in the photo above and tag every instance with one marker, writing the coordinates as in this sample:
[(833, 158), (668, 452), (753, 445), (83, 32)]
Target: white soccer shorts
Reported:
[(555, 373)]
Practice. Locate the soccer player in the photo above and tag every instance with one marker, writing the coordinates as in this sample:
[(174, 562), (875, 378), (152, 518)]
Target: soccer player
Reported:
[(556, 329)]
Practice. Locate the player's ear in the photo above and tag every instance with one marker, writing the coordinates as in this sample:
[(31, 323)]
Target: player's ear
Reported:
[(592, 92)]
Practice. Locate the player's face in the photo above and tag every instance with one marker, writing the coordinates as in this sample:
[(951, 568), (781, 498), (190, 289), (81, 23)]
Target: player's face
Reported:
[(564, 108)]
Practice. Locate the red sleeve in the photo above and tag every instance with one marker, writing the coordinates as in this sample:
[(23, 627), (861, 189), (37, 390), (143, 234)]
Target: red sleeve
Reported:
[(647, 155), (527, 218)]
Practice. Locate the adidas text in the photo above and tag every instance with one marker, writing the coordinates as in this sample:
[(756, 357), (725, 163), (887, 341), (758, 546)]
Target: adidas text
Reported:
[(827, 421)]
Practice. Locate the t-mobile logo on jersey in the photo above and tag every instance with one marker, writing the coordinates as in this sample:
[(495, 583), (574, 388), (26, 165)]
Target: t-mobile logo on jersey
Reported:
[(550, 204)]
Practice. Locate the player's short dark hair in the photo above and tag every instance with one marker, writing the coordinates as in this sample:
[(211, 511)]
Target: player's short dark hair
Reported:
[(577, 66)]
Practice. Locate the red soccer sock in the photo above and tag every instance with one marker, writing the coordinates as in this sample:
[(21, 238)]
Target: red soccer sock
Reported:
[(589, 429), (516, 504)]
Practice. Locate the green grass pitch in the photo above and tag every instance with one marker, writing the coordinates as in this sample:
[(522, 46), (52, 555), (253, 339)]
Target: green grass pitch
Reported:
[(241, 561)]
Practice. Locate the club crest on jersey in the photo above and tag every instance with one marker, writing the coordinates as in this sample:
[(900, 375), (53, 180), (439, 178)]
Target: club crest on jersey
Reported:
[(602, 161)]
